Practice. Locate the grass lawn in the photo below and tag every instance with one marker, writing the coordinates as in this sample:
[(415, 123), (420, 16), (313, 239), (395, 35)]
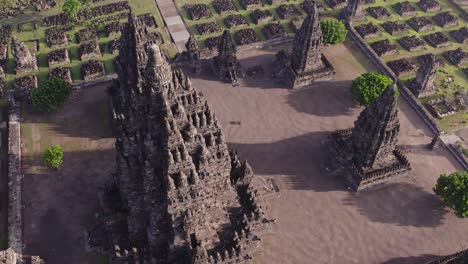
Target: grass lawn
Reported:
[(138, 7)]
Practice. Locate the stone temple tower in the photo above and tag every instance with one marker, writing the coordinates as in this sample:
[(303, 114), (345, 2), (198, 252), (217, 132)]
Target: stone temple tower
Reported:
[(306, 62), (423, 85), (367, 155), (178, 194), (226, 64)]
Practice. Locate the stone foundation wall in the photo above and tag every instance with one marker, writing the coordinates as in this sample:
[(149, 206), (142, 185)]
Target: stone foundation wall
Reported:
[(404, 91), (15, 236)]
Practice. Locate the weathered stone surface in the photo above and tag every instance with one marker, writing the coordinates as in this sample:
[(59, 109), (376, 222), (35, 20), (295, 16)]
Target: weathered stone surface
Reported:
[(25, 61), (92, 70), (367, 155), (423, 85), (2, 82), (354, 11), (42, 5), (368, 31), (56, 37), (226, 64), (457, 57), (402, 67), (8, 256), (461, 35), (23, 86), (63, 73), (306, 63), (58, 57), (405, 9), (179, 196)]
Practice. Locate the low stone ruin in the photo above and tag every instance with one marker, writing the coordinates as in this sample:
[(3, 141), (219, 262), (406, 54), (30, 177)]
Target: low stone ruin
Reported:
[(42, 5), (420, 24), (275, 2), (384, 48), (367, 155), (58, 57), (198, 11), (427, 59), (460, 35), (236, 20), (88, 50), (248, 4), (148, 20), (63, 73), (5, 34), (25, 61), (395, 28), (207, 28), (461, 100), (457, 57), (55, 37), (245, 36), (423, 85), (440, 107), (23, 86), (405, 9), (429, 5), (114, 46), (92, 70), (437, 40), (287, 11), (402, 67), (212, 43), (411, 43), (273, 30), (335, 4), (112, 28), (224, 6), (261, 16), (445, 19), (103, 10), (368, 31), (57, 20), (308, 5), (86, 34), (379, 12)]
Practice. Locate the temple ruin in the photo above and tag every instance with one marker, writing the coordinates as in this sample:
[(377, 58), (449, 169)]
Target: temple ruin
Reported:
[(193, 53), (178, 195), (306, 63), (423, 85), (354, 12), (25, 60), (367, 155), (225, 64)]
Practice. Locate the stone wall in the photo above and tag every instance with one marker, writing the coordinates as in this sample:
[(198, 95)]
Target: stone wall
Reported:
[(14, 177), (404, 91)]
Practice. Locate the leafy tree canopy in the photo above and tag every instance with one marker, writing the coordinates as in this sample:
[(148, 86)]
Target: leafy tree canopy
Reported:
[(53, 156), (50, 95), (453, 189), (369, 86), (333, 31), (72, 8)]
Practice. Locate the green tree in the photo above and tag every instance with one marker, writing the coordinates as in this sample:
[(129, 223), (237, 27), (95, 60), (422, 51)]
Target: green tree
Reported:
[(453, 189), (333, 31), (369, 86), (50, 95), (53, 156), (72, 8)]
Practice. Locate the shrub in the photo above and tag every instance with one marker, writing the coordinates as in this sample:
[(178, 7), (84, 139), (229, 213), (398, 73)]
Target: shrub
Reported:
[(333, 31), (50, 95), (72, 8), (453, 189), (53, 156), (369, 86)]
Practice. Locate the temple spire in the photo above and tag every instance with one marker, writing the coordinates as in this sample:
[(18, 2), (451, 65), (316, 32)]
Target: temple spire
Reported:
[(423, 85), (226, 63)]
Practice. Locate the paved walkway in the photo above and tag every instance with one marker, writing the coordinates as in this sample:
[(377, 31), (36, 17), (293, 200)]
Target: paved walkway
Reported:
[(174, 23)]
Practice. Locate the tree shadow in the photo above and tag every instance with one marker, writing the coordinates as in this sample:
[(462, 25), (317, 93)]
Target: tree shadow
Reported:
[(412, 260), (404, 204), (324, 98), (60, 204), (296, 161)]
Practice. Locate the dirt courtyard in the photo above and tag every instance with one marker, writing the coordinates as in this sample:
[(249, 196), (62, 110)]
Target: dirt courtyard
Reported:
[(318, 220), (280, 130)]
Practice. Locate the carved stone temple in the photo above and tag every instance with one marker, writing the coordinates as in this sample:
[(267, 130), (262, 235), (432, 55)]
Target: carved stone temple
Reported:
[(354, 11), (193, 53), (367, 155), (178, 195), (225, 64), (307, 62), (423, 85), (25, 60)]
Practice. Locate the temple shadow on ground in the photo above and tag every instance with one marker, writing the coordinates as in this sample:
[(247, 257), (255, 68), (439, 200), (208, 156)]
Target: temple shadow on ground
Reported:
[(335, 100), (412, 260), (55, 221), (404, 204), (297, 160)]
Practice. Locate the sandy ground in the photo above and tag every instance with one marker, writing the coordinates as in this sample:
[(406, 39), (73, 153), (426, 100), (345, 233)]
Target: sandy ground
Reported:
[(60, 204), (318, 220)]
